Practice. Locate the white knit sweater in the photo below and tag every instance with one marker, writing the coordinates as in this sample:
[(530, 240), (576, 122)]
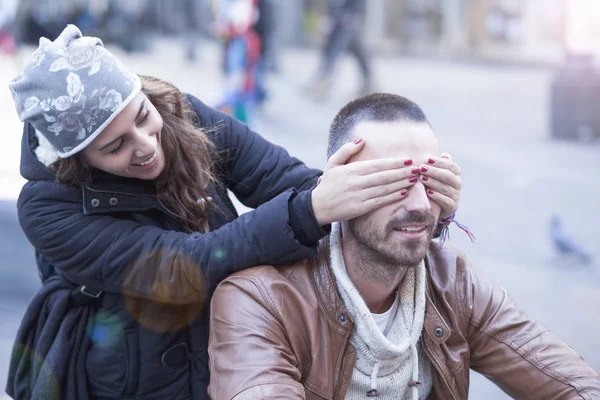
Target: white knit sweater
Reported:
[(385, 364)]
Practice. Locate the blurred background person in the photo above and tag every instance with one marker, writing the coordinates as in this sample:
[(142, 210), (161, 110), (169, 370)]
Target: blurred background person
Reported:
[(192, 20), (37, 18), (235, 21), (8, 41), (346, 21), (116, 21), (266, 29)]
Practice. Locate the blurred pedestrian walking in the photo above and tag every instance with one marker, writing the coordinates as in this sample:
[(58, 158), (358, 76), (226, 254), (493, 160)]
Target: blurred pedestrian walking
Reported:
[(347, 19), (266, 29), (191, 10)]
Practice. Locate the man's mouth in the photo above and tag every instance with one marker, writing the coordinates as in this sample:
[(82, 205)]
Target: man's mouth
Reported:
[(412, 231), (413, 228)]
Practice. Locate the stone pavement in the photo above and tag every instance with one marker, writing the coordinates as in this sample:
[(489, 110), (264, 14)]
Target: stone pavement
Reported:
[(494, 122)]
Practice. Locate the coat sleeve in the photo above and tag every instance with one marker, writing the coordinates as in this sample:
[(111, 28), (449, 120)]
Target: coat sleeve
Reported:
[(254, 169), (123, 256), (522, 357), (249, 352)]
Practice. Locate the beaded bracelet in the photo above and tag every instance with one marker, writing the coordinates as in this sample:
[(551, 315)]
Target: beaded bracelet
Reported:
[(445, 231)]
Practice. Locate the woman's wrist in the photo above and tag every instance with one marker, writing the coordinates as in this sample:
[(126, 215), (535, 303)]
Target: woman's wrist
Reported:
[(317, 208), (303, 221)]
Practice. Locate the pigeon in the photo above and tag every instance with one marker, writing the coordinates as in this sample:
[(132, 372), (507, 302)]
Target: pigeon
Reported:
[(564, 245)]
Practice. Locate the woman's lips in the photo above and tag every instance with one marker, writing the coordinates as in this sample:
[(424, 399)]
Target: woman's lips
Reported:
[(149, 163)]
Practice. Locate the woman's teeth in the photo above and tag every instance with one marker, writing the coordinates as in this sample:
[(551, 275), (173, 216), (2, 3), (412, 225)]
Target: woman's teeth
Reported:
[(149, 160)]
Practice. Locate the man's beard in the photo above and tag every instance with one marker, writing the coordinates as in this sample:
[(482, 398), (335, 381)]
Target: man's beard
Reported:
[(381, 253)]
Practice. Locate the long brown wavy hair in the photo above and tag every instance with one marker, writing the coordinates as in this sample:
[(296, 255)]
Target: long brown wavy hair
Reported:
[(182, 186)]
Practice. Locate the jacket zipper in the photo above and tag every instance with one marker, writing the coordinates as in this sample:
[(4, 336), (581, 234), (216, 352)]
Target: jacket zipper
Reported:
[(438, 369)]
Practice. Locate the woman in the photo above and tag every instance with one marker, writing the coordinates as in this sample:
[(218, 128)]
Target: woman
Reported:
[(127, 196)]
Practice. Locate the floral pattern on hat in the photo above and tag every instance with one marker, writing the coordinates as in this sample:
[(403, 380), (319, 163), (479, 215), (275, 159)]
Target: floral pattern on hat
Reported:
[(78, 57), (76, 112)]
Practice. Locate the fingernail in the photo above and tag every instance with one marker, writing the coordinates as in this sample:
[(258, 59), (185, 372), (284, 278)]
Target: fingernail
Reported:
[(357, 141), (424, 177), (413, 180), (429, 191), (415, 171), (403, 192), (446, 157), (424, 169), (431, 161), (408, 162)]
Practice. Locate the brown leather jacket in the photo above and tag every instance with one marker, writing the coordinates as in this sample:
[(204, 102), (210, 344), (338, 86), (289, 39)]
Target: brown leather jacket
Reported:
[(283, 333)]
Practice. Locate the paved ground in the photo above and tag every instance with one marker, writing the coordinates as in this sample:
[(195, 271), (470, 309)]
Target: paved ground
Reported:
[(492, 119)]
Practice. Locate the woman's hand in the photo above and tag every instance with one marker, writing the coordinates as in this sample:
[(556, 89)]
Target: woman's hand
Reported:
[(441, 177), (347, 191)]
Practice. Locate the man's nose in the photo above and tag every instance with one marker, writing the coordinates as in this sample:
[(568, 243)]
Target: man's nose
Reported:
[(417, 200)]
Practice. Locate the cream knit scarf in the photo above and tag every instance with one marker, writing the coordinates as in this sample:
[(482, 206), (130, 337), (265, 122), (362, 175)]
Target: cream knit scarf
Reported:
[(385, 365)]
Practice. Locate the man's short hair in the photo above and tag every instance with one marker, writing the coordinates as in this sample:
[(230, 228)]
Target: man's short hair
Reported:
[(383, 107)]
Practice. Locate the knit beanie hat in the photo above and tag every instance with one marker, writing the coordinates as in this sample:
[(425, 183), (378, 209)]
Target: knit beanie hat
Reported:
[(71, 89)]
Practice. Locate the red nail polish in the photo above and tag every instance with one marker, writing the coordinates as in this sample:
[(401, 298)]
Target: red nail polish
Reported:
[(408, 162), (431, 161), (415, 171), (424, 169), (424, 177), (413, 180), (403, 193), (429, 191), (357, 141)]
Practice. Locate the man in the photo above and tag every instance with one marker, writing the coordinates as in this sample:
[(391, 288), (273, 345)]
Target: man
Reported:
[(385, 312)]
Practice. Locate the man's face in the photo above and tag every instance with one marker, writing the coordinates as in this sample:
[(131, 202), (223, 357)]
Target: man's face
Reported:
[(398, 233)]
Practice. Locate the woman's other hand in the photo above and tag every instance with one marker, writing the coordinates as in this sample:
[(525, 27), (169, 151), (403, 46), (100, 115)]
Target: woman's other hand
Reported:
[(441, 176)]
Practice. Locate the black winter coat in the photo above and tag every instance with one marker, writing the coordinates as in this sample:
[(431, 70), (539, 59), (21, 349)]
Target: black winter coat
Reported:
[(150, 336)]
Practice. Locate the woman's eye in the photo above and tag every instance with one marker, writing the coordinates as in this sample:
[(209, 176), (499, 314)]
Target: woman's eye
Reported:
[(116, 150), (144, 117)]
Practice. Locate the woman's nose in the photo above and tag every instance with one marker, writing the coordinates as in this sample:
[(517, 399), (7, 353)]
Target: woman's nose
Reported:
[(145, 145)]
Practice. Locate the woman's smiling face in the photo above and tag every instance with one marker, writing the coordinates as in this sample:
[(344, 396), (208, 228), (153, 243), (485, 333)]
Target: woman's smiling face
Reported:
[(130, 145)]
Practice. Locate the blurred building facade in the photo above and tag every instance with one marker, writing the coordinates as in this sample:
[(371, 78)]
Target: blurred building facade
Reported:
[(527, 30), (519, 30), (516, 30)]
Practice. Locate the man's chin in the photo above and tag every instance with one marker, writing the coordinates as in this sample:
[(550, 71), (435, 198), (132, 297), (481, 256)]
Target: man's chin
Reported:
[(413, 251), (414, 242)]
